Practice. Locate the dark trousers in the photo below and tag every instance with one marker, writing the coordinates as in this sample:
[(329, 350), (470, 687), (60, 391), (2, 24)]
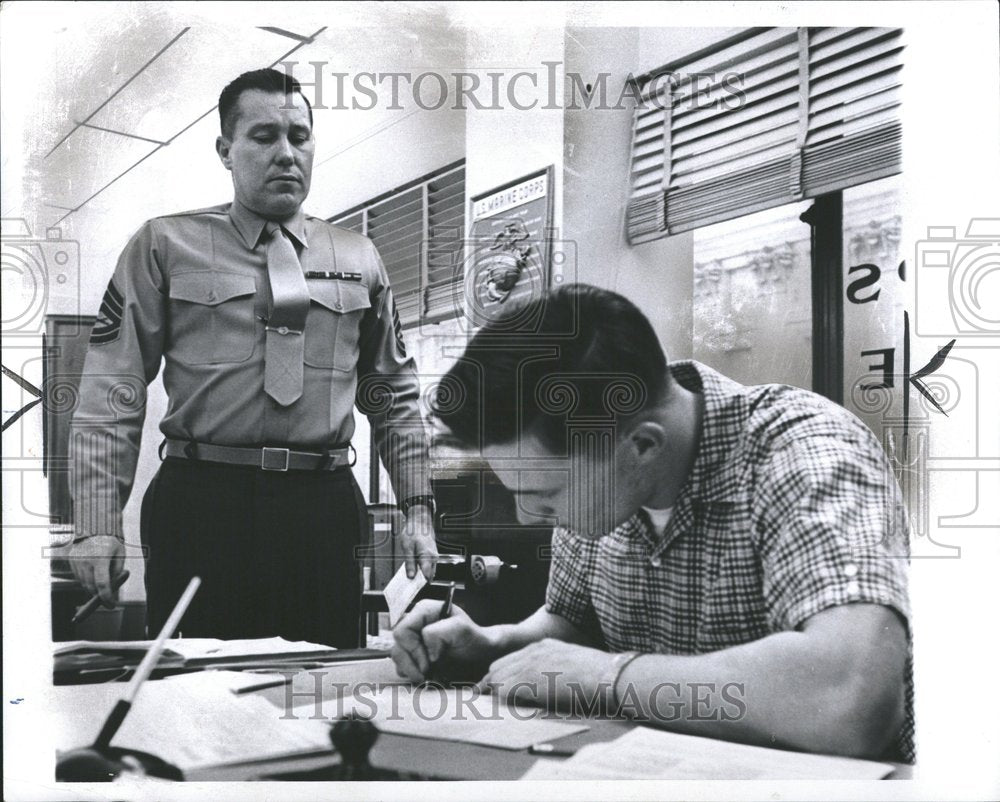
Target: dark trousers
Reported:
[(276, 551)]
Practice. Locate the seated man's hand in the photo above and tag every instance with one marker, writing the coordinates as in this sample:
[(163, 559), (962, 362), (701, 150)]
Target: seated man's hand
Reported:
[(96, 561), (423, 640), (552, 673)]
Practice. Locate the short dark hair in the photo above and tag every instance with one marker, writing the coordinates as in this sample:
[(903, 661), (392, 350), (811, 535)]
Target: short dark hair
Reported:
[(268, 80), (590, 355)]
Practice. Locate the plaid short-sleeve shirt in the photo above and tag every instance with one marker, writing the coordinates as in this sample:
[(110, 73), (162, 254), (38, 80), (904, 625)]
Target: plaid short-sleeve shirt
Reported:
[(791, 508)]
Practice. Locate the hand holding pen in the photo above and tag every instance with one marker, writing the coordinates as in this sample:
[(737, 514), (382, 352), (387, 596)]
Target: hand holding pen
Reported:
[(435, 673), (432, 633), (95, 601)]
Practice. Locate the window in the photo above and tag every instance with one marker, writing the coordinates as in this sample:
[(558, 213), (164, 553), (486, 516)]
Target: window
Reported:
[(874, 313), (768, 117), (419, 230), (752, 309)]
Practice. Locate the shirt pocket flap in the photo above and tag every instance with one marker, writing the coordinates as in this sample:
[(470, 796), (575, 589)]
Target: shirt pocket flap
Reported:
[(211, 289), (339, 297)]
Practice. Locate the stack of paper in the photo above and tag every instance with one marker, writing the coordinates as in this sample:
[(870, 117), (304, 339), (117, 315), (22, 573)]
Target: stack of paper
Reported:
[(191, 720), (648, 754), (192, 649), (76, 658)]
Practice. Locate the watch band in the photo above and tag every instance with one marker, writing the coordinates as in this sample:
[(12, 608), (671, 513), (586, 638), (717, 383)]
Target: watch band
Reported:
[(619, 663), (411, 501)]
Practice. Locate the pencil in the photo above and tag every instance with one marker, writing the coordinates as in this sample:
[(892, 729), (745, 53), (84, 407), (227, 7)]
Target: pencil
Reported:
[(84, 612), (260, 686)]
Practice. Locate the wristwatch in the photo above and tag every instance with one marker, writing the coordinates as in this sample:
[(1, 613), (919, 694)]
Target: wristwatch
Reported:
[(411, 501)]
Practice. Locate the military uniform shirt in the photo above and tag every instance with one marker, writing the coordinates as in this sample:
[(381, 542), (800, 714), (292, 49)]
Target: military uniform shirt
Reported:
[(192, 290)]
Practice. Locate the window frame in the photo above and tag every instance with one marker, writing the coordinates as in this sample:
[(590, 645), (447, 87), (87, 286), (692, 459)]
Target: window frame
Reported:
[(427, 312)]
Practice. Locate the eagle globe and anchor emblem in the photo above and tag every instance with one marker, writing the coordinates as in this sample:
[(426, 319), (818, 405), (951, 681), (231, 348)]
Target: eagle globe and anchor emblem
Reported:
[(502, 264)]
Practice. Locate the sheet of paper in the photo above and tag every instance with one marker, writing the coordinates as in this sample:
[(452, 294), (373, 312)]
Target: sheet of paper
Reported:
[(69, 647), (454, 715), (191, 721), (224, 680), (648, 754), (400, 592), (194, 648)]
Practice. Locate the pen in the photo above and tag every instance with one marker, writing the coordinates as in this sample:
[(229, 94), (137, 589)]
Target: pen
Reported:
[(260, 686), (84, 612), (433, 673), (446, 607), (121, 708)]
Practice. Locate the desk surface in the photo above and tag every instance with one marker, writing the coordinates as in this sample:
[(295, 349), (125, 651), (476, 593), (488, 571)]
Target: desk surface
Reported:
[(444, 759)]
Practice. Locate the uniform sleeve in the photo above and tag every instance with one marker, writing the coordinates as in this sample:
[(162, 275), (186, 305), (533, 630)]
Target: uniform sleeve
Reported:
[(832, 526), (568, 593), (389, 392), (123, 357)]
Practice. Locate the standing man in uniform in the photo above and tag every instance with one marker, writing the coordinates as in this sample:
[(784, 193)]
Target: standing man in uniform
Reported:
[(268, 321)]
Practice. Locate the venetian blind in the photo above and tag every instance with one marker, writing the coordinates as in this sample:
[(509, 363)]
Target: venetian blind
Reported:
[(419, 232), (768, 117)]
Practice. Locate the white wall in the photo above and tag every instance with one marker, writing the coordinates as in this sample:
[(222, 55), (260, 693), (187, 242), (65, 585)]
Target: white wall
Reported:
[(658, 276)]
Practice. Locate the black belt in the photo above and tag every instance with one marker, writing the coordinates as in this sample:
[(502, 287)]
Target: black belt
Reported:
[(267, 459)]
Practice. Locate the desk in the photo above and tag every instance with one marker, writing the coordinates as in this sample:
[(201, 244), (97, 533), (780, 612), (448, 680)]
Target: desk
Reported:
[(444, 759)]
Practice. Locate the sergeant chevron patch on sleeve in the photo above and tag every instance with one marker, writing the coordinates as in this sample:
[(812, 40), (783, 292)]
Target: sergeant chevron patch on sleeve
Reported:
[(109, 319), (399, 329)]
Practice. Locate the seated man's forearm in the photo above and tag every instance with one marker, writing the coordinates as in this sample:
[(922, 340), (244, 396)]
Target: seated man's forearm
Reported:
[(817, 691), (507, 638)]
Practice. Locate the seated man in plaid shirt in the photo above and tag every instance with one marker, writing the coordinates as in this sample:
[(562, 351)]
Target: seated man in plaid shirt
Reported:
[(728, 561)]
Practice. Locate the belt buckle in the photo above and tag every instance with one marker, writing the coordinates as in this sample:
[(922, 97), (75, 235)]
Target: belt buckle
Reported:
[(274, 459)]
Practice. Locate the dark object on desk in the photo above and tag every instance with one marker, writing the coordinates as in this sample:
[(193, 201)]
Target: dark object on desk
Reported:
[(91, 765), (353, 738)]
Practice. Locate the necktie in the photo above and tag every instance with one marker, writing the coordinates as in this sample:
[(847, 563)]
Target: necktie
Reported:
[(284, 346)]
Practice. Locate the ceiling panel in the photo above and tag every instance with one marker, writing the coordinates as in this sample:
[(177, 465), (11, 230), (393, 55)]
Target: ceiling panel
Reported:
[(186, 80), (103, 65), (86, 162)]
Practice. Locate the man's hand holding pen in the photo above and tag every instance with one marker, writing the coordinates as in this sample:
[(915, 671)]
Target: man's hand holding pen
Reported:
[(98, 561), (426, 637)]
